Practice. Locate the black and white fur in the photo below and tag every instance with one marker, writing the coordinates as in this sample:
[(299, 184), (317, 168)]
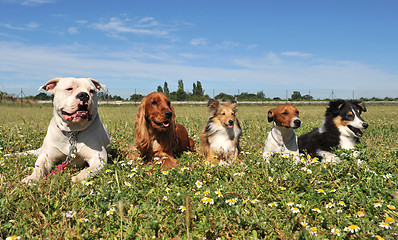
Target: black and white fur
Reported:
[(341, 128)]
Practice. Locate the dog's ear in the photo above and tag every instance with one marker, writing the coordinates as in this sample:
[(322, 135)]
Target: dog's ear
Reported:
[(213, 105), (335, 106), (50, 85), (98, 85), (141, 134), (233, 105), (271, 114), (360, 104)]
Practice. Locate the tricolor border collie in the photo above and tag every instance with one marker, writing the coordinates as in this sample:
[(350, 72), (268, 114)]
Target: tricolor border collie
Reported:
[(341, 128), (220, 137)]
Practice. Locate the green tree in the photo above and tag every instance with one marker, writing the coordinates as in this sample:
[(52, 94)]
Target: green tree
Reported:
[(166, 89), (296, 95), (136, 97), (43, 96), (261, 95), (307, 97), (180, 84), (224, 97), (160, 89), (197, 89)]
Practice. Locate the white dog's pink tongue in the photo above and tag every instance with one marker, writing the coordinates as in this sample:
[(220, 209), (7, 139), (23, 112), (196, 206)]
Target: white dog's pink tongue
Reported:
[(67, 117)]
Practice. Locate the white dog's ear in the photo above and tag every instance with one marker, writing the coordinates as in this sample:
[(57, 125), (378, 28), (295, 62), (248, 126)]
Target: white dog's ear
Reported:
[(271, 114), (50, 85), (98, 85)]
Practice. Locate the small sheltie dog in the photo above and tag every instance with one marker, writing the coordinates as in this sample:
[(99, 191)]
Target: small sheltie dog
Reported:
[(220, 138)]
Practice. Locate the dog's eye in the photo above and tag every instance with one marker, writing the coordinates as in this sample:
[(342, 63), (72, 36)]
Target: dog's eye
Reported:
[(297, 112), (154, 103), (285, 113), (69, 89), (223, 113), (92, 91), (232, 114)]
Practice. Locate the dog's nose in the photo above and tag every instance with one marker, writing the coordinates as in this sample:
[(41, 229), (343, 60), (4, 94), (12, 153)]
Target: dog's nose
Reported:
[(297, 123), (231, 122), (168, 114), (365, 125), (83, 96)]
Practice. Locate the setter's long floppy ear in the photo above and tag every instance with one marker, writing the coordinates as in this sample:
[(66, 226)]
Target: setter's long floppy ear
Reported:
[(141, 135)]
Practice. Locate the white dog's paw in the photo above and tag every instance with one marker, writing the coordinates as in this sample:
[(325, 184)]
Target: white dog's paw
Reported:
[(75, 179), (29, 180)]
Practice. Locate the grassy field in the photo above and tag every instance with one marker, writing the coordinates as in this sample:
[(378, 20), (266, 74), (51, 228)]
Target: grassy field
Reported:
[(247, 199)]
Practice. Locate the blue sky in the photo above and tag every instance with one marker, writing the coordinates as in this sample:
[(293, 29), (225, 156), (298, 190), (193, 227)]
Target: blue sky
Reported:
[(229, 46)]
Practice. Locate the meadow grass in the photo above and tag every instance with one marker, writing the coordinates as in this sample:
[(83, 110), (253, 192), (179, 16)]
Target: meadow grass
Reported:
[(246, 199)]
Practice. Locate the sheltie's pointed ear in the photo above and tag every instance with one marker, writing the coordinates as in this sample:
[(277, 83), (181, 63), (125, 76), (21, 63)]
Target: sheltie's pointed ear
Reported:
[(213, 104), (233, 105), (335, 106), (271, 114), (360, 104)]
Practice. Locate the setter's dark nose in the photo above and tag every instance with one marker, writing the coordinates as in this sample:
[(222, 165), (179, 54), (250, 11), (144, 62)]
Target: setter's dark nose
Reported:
[(168, 114)]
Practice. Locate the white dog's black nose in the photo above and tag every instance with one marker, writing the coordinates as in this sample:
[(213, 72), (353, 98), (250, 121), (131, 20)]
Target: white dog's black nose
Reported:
[(168, 114), (365, 125), (84, 97)]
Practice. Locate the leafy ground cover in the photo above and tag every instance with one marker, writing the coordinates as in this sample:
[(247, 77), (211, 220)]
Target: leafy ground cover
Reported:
[(245, 199)]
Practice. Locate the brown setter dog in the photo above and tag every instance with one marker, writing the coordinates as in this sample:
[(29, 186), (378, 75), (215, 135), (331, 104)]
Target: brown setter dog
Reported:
[(157, 134)]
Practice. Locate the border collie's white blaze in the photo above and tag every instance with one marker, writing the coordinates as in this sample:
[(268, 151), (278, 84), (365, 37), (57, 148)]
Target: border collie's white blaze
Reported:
[(220, 137), (341, 128)]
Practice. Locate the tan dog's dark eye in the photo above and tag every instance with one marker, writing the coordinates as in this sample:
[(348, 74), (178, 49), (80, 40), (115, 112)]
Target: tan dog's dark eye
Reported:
[(233, 114), (154, 103), (285, 113), (297, 112), (69, 89), (92, 91)]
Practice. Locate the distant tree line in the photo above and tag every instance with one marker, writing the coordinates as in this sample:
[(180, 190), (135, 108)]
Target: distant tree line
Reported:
[(197, 94)]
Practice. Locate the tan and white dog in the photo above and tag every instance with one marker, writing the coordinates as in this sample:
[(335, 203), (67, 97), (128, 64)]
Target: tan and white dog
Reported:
[(282, 139), (75, 123), (221, 135)]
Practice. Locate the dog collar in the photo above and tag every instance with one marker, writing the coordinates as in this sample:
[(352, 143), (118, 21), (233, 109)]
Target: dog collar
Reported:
[(72, 138)]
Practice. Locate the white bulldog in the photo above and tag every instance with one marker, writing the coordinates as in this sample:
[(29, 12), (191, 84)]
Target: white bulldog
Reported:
[(75, 129)]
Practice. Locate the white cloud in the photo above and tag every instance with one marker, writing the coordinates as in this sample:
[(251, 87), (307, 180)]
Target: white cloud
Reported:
[(30, 66), (227, 45), (116, 26), (27, 27), (29, 2), (73, 30), (296, 54), (199, 41)]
